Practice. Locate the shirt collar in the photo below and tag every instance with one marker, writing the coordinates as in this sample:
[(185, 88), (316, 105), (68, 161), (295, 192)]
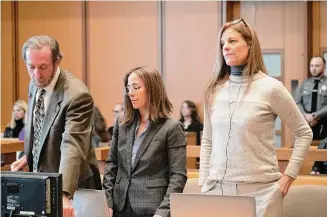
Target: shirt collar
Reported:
[(51, 86)]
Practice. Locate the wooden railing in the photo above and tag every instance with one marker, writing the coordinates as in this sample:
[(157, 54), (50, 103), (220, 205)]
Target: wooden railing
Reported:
[(9, 147), (315, 142)]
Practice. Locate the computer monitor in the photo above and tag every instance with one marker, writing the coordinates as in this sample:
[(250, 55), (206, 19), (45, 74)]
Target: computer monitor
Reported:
[(31, 194)]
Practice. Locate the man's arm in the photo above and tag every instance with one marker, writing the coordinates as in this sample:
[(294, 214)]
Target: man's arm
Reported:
[(321, 113), (298, 99), (76, 140)]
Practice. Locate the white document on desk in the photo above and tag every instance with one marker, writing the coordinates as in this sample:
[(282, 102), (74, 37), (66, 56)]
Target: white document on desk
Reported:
[(89, 202)]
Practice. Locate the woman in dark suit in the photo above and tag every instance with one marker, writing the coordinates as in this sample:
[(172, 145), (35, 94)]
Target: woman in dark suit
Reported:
[(147, 159)]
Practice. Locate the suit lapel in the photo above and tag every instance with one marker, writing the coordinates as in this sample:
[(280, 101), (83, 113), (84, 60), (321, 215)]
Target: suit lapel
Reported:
[(53, 107), (152, 130), (29, 126), (130, 142)]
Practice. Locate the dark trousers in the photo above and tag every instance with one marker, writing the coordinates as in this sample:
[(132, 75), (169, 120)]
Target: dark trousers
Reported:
[(320, 130), (128, 211)]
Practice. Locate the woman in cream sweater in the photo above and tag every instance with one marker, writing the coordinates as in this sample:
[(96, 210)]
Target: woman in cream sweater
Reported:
[(241, 106)]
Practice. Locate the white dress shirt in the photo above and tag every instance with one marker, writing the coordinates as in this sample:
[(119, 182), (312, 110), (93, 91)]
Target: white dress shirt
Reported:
[(48, 91)]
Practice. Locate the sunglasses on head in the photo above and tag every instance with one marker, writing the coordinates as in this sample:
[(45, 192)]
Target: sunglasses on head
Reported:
[(238, 21)]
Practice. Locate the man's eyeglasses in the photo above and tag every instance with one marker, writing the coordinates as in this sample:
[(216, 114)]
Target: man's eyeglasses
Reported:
[(238, 21), (132, 89)]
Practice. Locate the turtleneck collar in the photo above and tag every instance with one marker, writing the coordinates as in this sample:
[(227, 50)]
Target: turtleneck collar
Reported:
[(19, 122), (237, 70)]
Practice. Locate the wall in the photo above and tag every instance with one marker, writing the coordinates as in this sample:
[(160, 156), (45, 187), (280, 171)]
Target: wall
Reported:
[(190, 46), (121, 36), (274, 23), (323, 26), (63, 21), (7, 67)]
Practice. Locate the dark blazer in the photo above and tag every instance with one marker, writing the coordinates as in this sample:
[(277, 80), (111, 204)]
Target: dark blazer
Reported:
[(66, 135), (100, 133), (159, 168), (14, 132)]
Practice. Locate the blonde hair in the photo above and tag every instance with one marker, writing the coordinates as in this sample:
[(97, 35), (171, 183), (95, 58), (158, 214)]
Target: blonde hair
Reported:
[(21, 104), (158, 104), (222, 70)]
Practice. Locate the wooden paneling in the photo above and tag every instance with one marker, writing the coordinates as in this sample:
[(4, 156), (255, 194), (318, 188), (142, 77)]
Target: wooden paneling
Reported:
[(190, 47), (11, 146), (121, 36), (7, 62), (322, 20), (63, 21)]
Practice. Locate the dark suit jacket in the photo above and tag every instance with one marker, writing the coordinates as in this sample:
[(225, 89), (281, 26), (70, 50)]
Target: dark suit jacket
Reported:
[(159, 168), (100, 133), (66, 135)]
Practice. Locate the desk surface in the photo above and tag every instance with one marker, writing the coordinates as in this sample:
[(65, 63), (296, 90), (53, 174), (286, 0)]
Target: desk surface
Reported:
[(11, 145)]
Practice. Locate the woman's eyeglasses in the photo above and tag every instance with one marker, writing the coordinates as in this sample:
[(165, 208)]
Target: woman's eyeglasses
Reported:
[(132, 89)]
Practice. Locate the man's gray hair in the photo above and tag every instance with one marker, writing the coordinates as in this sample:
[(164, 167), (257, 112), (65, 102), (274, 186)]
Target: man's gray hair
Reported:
[(38, 42)]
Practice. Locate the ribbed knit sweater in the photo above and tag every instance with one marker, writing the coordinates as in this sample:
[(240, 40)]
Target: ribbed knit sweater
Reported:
[(239, 136)]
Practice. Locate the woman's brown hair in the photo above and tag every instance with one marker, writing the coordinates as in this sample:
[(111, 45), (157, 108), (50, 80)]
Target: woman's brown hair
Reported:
[(158, 104), (254, 64)]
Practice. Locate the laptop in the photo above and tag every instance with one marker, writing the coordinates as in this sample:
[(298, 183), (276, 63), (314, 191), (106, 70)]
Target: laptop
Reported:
[(89, 202), (205, 205)]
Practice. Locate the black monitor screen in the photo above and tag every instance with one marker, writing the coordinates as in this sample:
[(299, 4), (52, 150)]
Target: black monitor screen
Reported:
[(31, 194)]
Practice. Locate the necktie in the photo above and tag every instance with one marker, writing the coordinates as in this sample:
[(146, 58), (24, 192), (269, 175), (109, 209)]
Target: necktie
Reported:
[(38, 119), (314, 96)]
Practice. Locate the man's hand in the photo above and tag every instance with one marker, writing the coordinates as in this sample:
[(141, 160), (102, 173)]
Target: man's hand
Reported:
[(19, 164), (157, 216), (314, 173), (67, 208), (309, 117), (111, 212), (285, 183), (313, 123)]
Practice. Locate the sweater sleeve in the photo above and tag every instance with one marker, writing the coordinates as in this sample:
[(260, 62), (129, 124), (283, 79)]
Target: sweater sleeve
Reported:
[(284, 106), (206, 148)]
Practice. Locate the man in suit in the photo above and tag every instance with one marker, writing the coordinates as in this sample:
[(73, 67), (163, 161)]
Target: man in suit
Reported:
[(58, 132)]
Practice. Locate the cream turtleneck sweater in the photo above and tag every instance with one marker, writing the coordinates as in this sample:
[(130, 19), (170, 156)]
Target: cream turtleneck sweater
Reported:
[(238, 137)]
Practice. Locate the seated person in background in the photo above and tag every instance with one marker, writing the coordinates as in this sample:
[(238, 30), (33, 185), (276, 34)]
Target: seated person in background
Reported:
[(190, 119), (320, 167), (118, 112), (16, 125), (18, 119), (99, 133)]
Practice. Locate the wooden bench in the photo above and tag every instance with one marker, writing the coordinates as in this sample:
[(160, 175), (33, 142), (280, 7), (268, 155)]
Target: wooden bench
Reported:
[(9, 147), (315, 142), (301, 179), (314, 154), (101, 153), (191, 141), (283, 156)]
